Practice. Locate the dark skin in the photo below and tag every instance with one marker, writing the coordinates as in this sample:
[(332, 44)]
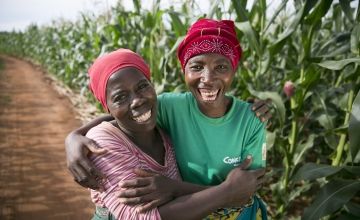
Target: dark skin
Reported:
[(78, 146), (212, 75), (127, 102), (208, 77), (132, 100)]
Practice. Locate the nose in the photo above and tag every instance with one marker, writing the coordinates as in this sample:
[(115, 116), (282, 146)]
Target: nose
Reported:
[(207, 76), (136, 101)]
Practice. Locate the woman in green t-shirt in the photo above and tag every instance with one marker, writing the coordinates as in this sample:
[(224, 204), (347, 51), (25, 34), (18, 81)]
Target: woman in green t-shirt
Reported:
[(209, 56)]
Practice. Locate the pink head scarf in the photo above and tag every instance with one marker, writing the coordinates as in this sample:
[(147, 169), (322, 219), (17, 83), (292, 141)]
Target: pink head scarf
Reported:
[(104, 66), (210, 36)]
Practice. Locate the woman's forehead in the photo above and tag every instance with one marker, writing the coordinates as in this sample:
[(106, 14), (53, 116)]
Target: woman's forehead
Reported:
[(126, 77), (212, 57)]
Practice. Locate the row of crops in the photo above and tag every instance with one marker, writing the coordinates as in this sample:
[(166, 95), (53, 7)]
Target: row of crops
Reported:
[(314, 48)]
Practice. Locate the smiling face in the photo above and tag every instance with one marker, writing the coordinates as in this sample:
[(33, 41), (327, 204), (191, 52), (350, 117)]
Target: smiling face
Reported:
[(208, 77), (131, 100)]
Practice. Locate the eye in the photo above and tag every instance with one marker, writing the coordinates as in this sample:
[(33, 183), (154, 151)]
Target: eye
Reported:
[(120, 98), (196, 67), (222, 67), (143, 86)]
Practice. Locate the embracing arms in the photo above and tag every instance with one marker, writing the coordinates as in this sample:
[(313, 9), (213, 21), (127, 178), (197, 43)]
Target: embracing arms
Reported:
[(78, 147), (234, 191)]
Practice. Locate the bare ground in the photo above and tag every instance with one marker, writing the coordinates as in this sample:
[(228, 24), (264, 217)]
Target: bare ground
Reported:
[(34, 120)]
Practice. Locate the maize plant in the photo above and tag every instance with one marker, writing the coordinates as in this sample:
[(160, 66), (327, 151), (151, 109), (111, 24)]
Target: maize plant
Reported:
[(304, 55)]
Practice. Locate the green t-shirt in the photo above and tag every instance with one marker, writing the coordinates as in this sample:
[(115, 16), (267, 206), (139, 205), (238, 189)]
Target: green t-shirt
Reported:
[(208, 148)]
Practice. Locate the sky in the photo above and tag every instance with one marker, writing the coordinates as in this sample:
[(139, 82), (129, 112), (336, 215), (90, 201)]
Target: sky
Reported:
[(18, 14)]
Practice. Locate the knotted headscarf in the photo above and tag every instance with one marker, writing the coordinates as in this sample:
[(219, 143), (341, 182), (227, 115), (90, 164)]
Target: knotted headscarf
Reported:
[(210, 36), (108, 64)]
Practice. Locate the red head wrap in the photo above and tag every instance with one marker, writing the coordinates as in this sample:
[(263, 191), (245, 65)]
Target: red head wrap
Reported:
[(106, 65), (210, 36)]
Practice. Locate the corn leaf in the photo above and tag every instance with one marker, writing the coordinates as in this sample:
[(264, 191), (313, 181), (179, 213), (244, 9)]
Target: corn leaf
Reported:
[(338, 64), (331, 197), (311, 171), (354, 127)]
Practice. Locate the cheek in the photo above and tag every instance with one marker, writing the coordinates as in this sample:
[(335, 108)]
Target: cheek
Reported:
[(228, 79), (190, 78), (117, 111)]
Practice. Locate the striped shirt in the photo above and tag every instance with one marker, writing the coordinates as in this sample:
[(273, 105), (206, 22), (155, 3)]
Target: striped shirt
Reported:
[(118, 164)]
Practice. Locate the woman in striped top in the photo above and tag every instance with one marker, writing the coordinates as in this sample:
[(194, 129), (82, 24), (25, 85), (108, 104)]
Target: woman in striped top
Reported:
[(120, 81)]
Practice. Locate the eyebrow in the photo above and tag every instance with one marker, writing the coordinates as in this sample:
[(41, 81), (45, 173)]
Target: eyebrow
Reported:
[(195, 61), (141, 81), (116, 92), (222, 60)]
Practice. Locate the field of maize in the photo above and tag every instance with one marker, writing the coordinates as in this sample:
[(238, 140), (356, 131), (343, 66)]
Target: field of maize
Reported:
[(304, 55)]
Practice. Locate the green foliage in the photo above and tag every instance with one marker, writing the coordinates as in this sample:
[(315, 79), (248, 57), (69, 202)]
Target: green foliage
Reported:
[(316, 45), (354, 128)]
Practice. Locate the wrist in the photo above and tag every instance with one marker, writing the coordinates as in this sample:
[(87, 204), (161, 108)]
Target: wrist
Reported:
[(224, 194)]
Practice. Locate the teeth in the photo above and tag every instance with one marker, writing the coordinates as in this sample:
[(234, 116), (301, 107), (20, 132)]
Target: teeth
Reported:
[(143, 117), (209, 95)]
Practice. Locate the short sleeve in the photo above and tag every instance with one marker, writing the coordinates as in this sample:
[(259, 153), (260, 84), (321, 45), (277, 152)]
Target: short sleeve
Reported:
[(256, 145)]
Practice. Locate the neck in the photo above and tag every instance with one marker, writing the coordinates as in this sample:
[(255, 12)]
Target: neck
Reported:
[(216, 110), (141, 139)]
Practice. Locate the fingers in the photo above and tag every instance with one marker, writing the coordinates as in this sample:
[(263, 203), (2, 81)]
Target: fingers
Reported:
[(137, 182), (86, 178), (143, 173), (259, 173), (262, 111), (260, 182), (246, 163), (250, 100), (266, 116), (90, 170), (77, 176), (95, 149), (125, 194), (257, 104), (81, 178)]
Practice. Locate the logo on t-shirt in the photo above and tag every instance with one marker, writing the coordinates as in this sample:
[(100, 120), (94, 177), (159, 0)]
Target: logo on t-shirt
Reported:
[(232, 160)]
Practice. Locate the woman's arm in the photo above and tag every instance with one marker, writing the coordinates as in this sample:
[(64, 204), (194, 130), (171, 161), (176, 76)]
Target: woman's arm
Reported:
[(77, 148), (153, 189), (156, 190), (236, 190)]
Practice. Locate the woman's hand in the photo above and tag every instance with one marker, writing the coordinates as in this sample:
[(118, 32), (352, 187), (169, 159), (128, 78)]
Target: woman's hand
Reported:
[(149, 188), (241, 184), (78, 147), (261, 109)]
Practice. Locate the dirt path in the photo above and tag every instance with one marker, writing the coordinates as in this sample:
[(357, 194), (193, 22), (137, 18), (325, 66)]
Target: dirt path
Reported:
[(34, 119)]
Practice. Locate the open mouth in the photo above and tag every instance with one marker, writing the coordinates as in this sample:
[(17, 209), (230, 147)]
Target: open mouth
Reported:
[(143, 117), (208, 95)]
